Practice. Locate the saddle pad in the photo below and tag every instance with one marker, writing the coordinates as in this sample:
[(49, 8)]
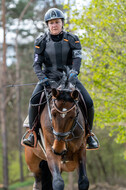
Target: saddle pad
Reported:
[(26, 122)]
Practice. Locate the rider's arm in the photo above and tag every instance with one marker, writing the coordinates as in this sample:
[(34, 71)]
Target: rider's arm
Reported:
[(76, 52), (39, 58), (37, 66)]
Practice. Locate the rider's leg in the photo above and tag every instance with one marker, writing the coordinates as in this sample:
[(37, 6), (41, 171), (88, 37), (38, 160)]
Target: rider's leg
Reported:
[(92, 143), (33, 112)]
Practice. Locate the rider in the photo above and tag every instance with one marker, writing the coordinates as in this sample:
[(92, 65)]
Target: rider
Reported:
[(52, 52)]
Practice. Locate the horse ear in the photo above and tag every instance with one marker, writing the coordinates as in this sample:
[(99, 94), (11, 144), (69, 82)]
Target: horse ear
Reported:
[(75, 94), (55, 92)]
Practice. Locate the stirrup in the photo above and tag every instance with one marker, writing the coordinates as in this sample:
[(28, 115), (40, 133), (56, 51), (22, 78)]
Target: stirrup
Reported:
[(95, 138), (35, 138)]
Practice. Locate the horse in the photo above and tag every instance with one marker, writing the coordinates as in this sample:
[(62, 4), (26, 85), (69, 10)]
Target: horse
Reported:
[(63, 142)]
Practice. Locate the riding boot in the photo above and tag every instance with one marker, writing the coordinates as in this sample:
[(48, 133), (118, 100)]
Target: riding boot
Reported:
[(33, 111), (92, 141)]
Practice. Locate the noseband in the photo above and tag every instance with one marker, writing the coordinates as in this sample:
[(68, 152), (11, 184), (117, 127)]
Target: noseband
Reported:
[(64, 136)]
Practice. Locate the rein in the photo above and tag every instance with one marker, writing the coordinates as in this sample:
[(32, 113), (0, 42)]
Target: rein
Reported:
[(47, 99), (40, 102)]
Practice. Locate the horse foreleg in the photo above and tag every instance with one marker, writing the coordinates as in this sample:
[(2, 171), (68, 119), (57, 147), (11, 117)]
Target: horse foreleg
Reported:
[(46, 176), (83, 183), (33, 164), (54, 166), (37, 183)]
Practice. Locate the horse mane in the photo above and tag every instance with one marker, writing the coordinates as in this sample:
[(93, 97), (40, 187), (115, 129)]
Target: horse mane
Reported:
[(65, 88), (65, 96)]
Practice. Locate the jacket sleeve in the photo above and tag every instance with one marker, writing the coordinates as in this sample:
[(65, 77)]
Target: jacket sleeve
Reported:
[(76, 52), (39, 47)]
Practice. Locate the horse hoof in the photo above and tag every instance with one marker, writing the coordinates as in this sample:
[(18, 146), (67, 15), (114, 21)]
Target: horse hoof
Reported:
[(83, 184), (58, 183)]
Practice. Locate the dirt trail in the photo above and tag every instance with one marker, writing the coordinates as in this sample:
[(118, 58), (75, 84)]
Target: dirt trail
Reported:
[(106, 187), (100, 186), (92, 187)]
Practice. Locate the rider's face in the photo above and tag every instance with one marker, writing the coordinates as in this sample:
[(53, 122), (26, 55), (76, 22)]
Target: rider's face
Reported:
[(55, 26)]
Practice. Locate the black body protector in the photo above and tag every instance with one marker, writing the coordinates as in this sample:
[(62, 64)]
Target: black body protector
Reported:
[(53, 55)]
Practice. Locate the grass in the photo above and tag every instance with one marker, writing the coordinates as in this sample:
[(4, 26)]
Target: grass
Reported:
[(28, 183), (19, 185)]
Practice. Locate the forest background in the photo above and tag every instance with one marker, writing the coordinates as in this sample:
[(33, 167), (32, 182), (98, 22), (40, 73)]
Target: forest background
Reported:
[(101, 26)]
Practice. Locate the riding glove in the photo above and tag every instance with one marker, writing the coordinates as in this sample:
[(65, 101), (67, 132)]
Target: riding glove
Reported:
[(44, 82), (72, 76)]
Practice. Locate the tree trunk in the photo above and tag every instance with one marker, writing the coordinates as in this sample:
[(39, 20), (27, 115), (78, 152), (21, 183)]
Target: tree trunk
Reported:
[(103, 167), (18, 91), (18, 97), (3, 76)]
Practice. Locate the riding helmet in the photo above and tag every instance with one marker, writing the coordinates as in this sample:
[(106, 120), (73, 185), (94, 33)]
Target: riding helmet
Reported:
[(53, 13)]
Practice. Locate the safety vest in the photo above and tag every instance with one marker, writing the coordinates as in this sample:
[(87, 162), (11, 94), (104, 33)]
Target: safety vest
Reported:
[(58, 54)]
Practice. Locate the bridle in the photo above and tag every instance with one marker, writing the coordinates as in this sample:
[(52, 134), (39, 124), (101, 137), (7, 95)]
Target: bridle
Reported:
[(69, 135), (66, 136), (62, 112)]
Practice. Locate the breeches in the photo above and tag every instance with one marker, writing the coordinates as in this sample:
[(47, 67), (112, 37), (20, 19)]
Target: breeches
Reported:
[(79, 85), (85, 94)]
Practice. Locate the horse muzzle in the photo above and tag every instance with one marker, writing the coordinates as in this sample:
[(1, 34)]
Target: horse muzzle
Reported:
[(59, 147)]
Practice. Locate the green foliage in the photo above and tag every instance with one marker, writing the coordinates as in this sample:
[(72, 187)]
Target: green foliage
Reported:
[(103, 26), (14, 170), (21, 184), (108, 162)]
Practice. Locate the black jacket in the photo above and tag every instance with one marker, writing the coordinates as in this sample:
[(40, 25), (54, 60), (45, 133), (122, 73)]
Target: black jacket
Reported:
[(52, 53)]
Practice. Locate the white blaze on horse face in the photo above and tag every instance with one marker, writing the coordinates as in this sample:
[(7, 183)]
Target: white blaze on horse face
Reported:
[(63, 114)]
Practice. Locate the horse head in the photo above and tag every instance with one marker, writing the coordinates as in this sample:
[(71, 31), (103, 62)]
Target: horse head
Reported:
[(63, 113)]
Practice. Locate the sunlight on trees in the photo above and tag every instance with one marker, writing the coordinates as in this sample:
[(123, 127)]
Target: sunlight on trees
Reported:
[(103, 38)]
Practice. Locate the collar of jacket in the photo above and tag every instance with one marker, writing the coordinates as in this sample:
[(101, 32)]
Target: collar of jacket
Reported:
[(57, 38)]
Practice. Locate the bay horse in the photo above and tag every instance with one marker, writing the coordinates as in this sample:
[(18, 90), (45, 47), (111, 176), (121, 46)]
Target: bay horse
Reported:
[(63, 146)]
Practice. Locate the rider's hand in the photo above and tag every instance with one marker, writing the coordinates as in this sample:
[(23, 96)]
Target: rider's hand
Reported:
[(72, 76), (44, 82)]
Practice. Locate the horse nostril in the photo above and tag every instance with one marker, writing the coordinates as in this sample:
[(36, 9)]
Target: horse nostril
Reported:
[(59, 153), (58, 147), (55, 152)]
